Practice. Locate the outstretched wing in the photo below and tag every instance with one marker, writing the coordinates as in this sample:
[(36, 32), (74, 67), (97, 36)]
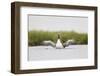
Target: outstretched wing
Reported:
[(65, 44), (49, 43), (69, 42)]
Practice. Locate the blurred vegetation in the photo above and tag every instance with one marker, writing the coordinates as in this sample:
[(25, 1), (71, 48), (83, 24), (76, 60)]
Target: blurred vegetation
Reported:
[(37, 37)]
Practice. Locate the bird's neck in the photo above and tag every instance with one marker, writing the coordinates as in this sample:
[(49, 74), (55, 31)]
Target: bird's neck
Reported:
[(58, 36)]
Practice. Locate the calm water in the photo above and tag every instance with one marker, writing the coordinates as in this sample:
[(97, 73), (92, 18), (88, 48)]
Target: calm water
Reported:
[(50, 53)]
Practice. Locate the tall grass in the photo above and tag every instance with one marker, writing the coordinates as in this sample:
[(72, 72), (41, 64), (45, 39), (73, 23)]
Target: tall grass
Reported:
[(37, 37)]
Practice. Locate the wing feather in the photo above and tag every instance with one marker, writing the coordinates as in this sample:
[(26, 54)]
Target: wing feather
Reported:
[(48, 43), (68, 42)]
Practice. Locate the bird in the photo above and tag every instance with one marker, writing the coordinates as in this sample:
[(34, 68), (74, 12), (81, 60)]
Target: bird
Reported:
[(58, 44)]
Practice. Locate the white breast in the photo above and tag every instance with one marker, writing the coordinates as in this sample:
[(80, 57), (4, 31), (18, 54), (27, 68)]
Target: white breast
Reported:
[(59, 44)]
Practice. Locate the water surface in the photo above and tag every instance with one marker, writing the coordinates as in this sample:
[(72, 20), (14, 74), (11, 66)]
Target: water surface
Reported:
[(49, 53)]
